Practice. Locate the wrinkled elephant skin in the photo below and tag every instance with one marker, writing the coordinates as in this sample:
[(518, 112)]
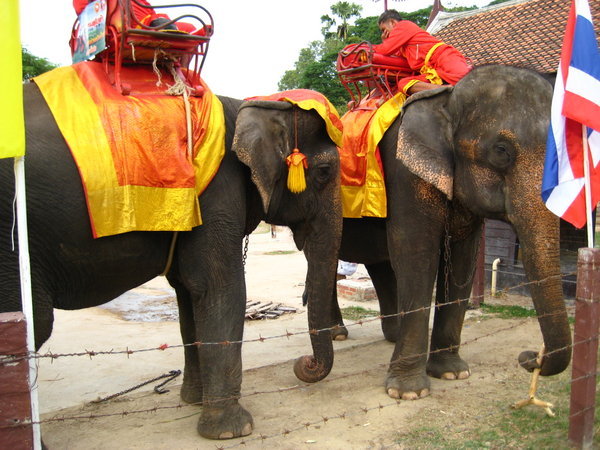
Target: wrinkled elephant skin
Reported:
[(459, 155), (71, 270)]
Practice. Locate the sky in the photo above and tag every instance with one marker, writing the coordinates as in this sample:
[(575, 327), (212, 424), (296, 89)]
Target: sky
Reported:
[(254, 42)]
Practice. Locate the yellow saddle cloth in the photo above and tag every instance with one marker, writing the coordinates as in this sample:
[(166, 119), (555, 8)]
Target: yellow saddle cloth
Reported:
[(363, 182), (131, 151)]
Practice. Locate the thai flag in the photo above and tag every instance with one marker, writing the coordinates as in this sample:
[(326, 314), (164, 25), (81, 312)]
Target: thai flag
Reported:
[(576, 101)]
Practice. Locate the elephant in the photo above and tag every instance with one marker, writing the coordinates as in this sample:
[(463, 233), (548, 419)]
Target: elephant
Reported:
[(456, 155), (71, 270)]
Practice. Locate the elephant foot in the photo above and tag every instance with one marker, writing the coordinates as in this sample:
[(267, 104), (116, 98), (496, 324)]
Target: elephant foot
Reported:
[(339, 333), (412, 388), (447, 366), (191, 392), (390, 330), (229, 422)]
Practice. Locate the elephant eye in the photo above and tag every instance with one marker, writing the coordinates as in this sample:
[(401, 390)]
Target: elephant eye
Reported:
[(502, 156), (323, 173)]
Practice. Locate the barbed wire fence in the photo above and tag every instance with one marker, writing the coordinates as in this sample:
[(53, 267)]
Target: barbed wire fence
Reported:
[(309, 423)]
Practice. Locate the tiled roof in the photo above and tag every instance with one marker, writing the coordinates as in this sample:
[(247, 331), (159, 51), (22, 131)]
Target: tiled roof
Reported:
[(522, 33)]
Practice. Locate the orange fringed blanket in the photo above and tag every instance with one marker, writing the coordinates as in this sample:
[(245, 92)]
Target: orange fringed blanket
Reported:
[(307, 99), (363, 186), (131, 151)]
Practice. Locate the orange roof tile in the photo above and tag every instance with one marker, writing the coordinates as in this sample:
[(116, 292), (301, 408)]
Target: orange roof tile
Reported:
[(526, 34)]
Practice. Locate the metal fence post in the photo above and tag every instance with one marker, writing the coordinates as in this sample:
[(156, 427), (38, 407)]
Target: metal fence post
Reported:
[(585, 349)]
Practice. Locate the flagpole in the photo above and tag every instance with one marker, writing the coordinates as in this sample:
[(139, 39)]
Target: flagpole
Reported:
[(26, 295), (588, 186)]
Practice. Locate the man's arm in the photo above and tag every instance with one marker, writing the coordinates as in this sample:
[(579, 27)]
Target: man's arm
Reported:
[(399, 36)]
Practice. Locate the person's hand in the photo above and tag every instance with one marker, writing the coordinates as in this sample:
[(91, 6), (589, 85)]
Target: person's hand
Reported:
[(421, 86)]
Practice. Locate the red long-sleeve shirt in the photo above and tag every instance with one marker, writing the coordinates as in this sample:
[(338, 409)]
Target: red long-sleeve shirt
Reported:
[(409, 41)]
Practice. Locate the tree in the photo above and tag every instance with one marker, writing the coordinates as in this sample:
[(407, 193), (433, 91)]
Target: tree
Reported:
[(34, 65), (343, 11)]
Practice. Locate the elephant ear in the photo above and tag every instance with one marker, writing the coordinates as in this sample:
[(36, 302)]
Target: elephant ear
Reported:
[(425, 138), (261, 143)]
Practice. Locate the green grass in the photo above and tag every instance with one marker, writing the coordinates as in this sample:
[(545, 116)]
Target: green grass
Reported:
[(500, 427), (357, 313), (511, 312), (281, 252), (508, 312)]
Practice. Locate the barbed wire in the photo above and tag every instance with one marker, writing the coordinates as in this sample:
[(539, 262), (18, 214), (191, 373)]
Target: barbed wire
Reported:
[(376, 367), (308, 424), (92, 353)]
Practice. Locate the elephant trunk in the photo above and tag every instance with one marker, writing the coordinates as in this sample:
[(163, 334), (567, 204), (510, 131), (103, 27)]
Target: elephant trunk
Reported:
[(321, 249), (538, 233)]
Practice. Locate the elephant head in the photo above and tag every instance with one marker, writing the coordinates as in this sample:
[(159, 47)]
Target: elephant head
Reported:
[(482, 144), (266, 134)]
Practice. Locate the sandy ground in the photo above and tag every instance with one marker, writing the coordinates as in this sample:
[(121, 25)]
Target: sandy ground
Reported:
[(349, 409)]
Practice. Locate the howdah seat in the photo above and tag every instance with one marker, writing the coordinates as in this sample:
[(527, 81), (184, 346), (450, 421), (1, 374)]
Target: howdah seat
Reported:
[(129, 41), (361, 69)]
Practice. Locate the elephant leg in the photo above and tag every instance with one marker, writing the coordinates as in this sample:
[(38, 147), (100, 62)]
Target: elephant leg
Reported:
[(221, 364), (452, 298), (384, 281), (414, 242), (214, 278), (191, 389)]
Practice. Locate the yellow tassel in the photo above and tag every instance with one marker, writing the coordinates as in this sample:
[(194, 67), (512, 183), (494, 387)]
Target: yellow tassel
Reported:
[(296, 162)]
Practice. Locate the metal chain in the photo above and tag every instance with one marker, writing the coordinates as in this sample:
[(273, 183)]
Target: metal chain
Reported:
[(158, 388), (245, 252), (448, 269), (447, 258)]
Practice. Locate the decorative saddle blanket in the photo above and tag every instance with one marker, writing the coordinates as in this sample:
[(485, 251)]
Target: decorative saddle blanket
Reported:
[(131, 151), (307, 99), (363, 185)]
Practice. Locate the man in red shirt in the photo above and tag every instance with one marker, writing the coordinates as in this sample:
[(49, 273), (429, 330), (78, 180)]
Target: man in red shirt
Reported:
[(433, 61)]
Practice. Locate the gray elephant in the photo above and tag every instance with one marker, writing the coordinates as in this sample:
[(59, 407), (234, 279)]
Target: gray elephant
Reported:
[(71, 270), (456, 156)]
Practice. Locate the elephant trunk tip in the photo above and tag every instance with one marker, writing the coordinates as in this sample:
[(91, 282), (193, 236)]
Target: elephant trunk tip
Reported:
[(309, 370), (552, 364)]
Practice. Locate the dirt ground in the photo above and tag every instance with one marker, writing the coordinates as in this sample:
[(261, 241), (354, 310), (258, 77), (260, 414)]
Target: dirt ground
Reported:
[(349, 409)]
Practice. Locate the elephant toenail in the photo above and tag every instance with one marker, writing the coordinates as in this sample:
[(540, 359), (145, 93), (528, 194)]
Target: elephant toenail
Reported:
[(340, 337), (247, 429), (448, 376), (410, 396), (424, 393), (226, 435), (392, 392), (464, 375)]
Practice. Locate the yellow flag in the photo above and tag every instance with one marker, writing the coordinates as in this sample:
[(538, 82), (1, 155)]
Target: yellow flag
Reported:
[(12, 126)]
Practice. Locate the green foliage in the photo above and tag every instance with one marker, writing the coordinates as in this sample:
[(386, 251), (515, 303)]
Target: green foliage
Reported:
[(508, 311), (343, 11), (357, 312), (34, 65), (365, 29)]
